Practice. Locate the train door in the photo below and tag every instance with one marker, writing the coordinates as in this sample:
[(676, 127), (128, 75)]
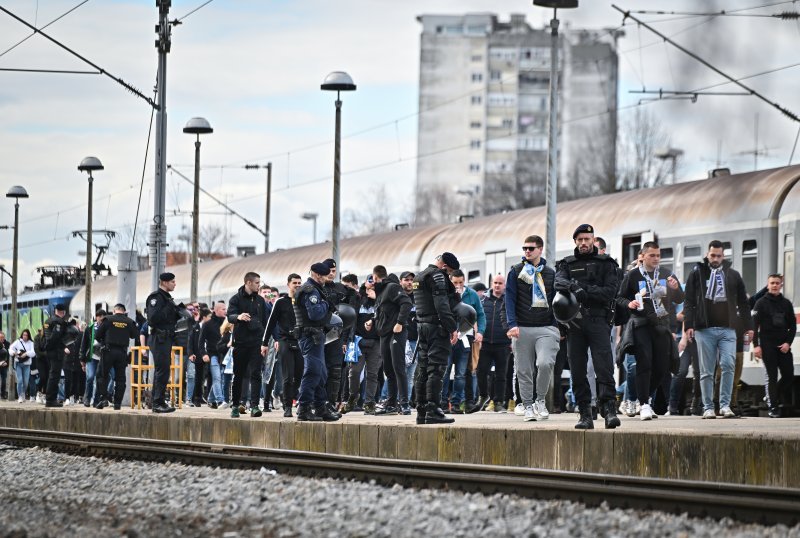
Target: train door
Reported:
[(632, 243), (495, 264)]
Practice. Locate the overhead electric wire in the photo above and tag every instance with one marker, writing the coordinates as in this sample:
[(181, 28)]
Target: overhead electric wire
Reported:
[(57, 71), (82, 58), (24, 39), (198, 8)]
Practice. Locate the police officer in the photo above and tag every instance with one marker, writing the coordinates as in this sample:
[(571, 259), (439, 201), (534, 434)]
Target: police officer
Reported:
[(114, 333), (592, 277), (162, 316), (336, 293), (55, 334), (312, 312), (434, 297)]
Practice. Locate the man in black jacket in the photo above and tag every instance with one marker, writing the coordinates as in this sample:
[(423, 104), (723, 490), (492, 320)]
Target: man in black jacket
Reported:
[(715, 307), (247, 311), (282, 319), (55, 333), (775, 327), (207, 347), (648, 292), (392, 308)]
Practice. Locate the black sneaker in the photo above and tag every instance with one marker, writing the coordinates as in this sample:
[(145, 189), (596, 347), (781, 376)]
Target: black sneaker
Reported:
[(405, 409), (369, 408), (101, 404), (387, 410)]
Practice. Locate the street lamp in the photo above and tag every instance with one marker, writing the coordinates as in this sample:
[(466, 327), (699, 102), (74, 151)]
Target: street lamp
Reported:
[(15, 192), (196, 126), (672, 154), (337, 81), (89, 165), (312, 216), (552, 159)]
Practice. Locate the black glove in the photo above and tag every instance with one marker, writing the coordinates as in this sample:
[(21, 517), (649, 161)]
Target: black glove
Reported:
[(561, 286), (579, 292)]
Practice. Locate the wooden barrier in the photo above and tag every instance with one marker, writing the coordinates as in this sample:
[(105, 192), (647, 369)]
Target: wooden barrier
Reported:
[(139, 368)]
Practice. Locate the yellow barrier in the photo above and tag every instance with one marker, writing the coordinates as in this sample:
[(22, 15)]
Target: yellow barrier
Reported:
[(139, 368)]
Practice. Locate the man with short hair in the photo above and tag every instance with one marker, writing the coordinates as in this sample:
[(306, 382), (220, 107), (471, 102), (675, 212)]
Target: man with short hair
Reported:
[(207, 347), (715, 306), (336, 293), (407, 282), (162, 317), (55, 334), (494, 350), (247, 311), (775, 327), (650, 292), (90, 356), (114, 334), (535, 339)]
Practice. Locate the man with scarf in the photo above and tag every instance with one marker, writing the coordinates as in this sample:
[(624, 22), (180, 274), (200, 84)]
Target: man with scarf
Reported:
[(649, 291), (715, 306), (592, 278), (532, 327)]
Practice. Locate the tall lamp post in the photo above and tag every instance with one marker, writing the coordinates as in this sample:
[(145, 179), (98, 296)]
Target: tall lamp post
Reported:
[(670, 154), (552, 159), (89, 165), (312, 216), (15, 192), (196, 126), (337, 81)]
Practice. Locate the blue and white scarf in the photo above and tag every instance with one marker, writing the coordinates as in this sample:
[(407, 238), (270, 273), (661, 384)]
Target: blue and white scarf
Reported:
[(654, 291), (538, 291), (716, 286)]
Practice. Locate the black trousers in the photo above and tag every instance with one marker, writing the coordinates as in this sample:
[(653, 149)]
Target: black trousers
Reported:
[(393, 352), (116, 358), (774, 362), (291, 369), (247, 364), (43, 363), (591, 333), (496, 354), (652, 359), (160, 349), (72, 383), (334, 359), (54, 376), (200, 369), (558, 369), (434, 349)]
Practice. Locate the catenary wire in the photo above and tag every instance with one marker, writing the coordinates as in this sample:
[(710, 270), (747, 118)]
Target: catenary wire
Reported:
[(24, 39)]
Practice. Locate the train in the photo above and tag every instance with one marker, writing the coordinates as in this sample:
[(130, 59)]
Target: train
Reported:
[(756, 215)]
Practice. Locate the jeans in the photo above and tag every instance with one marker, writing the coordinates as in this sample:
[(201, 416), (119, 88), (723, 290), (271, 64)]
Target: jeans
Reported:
[(23, 378), (190, 377), (709, 342), (226, 388), (630, 378), (459, 357), (215, 396), (91, 373)]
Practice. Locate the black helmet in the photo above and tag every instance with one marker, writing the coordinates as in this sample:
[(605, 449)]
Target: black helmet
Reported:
[(333, 329), (348, 315), (565, 307), (465, 317)]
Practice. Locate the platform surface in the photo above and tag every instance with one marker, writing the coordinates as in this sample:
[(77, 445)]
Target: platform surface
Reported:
[(758, 451)]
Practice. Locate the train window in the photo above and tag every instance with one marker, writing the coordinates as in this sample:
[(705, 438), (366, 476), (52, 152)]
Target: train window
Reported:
[(692, 252), (667, 258), (727, 249), (750, 265), (788, 274), (474, 276), (788, 241)]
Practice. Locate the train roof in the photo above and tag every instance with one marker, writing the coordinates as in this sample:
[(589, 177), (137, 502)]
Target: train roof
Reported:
[(742, 200)]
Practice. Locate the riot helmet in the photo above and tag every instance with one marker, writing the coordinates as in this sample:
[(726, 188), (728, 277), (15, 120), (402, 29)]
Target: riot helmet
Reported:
[(565, 307), (333, 329), (465, 317)]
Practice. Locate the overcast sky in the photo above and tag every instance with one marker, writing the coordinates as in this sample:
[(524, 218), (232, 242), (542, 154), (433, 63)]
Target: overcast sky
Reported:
[(253, 69)]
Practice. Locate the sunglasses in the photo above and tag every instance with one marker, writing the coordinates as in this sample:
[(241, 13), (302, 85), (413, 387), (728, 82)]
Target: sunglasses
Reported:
[(530, 248)]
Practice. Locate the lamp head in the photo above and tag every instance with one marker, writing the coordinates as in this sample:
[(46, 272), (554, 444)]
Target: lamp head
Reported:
[(338, 81), (198, 126), (17, 191), (90, 164)]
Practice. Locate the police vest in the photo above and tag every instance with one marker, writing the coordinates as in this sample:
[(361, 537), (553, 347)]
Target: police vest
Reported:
[(301, 314), (429, 279)]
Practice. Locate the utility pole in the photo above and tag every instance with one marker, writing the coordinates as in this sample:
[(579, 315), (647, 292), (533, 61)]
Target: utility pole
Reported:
[(268, 166), (158, 228)]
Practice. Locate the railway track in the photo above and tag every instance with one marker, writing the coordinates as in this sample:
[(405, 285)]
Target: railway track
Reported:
[(758, 504)]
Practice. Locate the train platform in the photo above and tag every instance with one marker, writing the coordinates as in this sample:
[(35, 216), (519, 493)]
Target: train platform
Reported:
[(755, 451)]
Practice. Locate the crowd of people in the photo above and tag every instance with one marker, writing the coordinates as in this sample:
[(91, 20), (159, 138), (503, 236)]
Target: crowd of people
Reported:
[(428, 342)]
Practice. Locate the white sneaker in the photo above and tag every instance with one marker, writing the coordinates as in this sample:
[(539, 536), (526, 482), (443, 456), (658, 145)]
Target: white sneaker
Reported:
[(530, 415), (646, 412), (630, 409), (519, 410), (623, 407), (709, 413), (637, 409), (540, 410), (67, 402), (224, 405), (726, 412), (276, 403), (20, 400)]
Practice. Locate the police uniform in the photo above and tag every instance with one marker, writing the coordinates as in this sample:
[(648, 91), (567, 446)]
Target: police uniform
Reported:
[(336, 293), (114, 333), (55, 333), (162, 316), (592, 277), (312, 312), (434, 297)]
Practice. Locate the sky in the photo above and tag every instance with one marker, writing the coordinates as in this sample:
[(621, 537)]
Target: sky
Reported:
[(253, 69)]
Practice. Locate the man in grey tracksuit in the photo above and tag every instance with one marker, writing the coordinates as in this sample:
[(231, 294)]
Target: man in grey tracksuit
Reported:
[(532, 327)]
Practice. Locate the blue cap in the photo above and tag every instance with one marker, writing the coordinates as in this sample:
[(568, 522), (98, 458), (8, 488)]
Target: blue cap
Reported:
[(450, 260)]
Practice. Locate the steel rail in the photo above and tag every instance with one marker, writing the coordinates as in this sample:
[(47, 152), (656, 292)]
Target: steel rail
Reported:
[(757, 504)]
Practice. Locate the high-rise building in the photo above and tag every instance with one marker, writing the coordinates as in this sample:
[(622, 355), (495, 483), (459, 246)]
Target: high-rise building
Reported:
[(484, 111)]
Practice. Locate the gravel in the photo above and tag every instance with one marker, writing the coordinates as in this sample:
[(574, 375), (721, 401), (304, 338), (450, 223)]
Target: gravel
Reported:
[(53, 494)]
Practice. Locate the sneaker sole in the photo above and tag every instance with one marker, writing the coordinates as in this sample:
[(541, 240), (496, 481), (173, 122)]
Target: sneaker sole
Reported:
[(529, 419)]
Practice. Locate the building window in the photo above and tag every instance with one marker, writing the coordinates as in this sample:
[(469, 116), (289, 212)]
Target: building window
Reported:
[(477, 58), (477, 99), (475, 125), (474, 168), (475, 144), (495, 75), (477, 77), (508, 124)]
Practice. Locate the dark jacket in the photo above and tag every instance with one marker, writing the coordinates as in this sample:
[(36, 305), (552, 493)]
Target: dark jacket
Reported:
[(193, 345), (364, 313), (496, 326), (694, 308), (392, 305), (209, 337), (774, 320), (592, 277), (281, 322), (634, 283), (247, 333), (519, 298), (222, 345)]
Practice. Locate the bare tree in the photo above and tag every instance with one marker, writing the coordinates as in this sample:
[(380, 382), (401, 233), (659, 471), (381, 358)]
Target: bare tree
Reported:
[(638, 165), (375, 215), (125, 238), (594, 171), (436, 204), (214, 240)]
